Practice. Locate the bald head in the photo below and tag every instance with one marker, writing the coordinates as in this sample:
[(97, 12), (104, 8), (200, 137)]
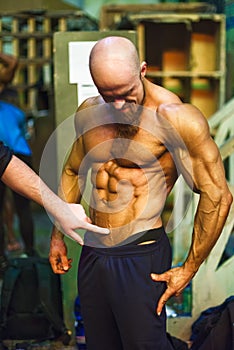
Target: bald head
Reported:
[(113, 56)]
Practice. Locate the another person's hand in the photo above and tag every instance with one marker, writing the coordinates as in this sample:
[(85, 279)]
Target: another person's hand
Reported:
[(72, 217), (176, 280)]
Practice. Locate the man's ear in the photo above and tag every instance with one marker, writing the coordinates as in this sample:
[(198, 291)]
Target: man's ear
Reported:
[(143, 69)]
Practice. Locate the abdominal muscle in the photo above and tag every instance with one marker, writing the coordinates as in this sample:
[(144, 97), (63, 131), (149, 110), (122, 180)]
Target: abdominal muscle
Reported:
[(127, 200)]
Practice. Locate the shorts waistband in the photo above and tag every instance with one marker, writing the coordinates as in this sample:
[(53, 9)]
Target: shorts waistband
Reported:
[(133, 247), (144, 236)]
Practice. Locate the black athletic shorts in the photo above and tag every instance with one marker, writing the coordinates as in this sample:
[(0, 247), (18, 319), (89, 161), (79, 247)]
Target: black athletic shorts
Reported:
[(119, 298)]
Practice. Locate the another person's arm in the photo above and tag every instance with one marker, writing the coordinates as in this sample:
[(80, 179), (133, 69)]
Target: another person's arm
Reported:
[(215, 200), (69, 217)]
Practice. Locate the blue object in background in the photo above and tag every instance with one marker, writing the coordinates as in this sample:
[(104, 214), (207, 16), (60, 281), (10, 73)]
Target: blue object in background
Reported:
[(79, 326)]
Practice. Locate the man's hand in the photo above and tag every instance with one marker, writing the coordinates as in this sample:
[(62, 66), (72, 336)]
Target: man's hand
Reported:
[(71, 217), (176, 279), (58, 256)]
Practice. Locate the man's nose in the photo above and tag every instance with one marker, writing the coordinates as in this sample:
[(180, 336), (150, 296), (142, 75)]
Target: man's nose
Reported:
[(118, 103)]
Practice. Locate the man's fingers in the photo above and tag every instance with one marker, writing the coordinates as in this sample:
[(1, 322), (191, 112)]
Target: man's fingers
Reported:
[(166, 295), (65, 264), (161, 303), (56, 267), (159, 278), (59, 271), (163, 300), (154, 276), (60, 264)]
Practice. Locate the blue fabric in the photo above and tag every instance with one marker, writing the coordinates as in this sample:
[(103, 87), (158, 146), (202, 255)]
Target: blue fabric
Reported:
[(12, 128)]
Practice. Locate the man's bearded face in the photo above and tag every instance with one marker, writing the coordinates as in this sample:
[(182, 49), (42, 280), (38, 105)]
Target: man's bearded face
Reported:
[(127, 120)]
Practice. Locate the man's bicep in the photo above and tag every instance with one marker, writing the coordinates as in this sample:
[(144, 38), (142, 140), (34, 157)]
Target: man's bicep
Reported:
[(200, 157), (201, 165)]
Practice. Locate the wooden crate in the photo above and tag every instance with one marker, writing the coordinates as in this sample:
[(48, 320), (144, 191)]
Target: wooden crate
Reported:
[(184, 46), (29, 36), (111, 16), (186, 54)]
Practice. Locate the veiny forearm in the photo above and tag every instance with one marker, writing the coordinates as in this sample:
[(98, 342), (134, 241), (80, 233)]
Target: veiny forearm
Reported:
[(22, 179), (209, 221)]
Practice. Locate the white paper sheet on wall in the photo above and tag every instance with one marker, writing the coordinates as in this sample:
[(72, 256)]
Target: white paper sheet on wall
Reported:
[(85, 91), (79, 69)]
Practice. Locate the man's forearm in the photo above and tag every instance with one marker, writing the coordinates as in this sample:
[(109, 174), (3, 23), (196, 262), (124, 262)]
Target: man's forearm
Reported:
[(208, 225)]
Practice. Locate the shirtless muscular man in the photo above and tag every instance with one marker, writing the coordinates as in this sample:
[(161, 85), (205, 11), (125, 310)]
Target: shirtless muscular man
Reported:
[(137, 138)]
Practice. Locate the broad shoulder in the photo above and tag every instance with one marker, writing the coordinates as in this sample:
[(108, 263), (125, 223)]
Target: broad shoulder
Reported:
[(89, 115), (188, 120), (90, 102)]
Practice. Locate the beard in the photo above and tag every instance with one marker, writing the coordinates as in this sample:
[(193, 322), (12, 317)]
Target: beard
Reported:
[(126, 128), (127, 120)]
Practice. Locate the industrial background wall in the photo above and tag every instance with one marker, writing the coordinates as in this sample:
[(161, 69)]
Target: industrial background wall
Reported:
[(27, 28)]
